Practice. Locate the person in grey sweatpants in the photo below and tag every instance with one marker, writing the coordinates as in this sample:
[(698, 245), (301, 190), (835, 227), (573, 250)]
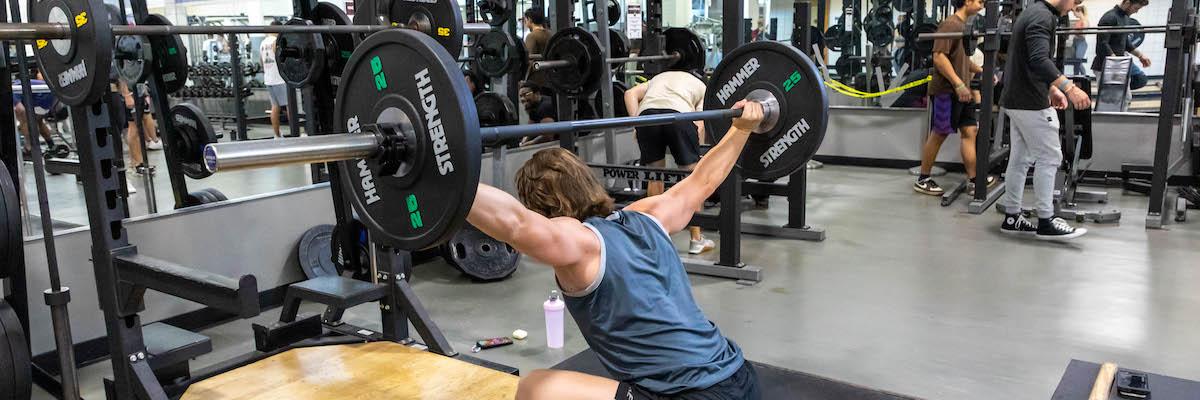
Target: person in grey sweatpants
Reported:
[(1033, 88)]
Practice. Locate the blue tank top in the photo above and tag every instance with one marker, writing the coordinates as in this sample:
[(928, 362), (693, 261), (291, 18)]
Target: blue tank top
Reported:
[(639, 315)]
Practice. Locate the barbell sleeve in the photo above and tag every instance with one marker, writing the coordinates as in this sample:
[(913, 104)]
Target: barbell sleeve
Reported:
[(476, 28), (231, 156)]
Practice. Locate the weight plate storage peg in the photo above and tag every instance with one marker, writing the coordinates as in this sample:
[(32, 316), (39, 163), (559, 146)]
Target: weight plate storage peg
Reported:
[(580, 47), (480, 256), (401, 77), (76, 68), (193, 131), (793, 79)]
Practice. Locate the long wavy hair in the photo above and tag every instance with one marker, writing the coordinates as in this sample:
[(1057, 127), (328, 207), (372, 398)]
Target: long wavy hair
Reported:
[(556, 183)]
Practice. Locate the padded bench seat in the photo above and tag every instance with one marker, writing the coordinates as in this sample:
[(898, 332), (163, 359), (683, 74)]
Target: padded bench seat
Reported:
[(775, 382)]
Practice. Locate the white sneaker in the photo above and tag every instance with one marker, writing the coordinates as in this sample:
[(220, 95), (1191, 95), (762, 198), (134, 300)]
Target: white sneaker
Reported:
[(129, 187), (154, 145), (700, 246)]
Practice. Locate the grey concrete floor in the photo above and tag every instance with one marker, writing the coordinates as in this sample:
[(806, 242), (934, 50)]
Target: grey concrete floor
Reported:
[(904, 295)]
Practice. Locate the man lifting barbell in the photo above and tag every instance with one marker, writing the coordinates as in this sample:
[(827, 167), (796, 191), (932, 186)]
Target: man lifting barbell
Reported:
[(608, 263)]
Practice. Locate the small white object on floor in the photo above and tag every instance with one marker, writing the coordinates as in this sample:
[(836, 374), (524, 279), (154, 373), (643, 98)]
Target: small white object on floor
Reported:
[(520, 334)]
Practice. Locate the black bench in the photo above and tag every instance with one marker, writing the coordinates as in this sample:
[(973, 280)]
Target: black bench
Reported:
[(775, 382)]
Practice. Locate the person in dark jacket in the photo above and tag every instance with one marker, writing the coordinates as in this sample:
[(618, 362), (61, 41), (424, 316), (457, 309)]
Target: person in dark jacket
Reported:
[(1033, 84), (1117, 44)]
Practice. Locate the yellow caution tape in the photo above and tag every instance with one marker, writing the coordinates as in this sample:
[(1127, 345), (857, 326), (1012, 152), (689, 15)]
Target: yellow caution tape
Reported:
[(852, 92)]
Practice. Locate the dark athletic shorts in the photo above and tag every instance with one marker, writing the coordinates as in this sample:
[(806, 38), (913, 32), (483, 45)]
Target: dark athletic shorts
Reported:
[(949, 114), (742, 385), (682, 138)]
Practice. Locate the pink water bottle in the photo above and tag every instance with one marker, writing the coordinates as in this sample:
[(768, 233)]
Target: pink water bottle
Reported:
[(554, 320)]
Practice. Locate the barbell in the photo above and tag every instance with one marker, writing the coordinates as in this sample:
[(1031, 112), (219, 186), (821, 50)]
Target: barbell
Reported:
[(74, 43), (410, 154), (969, 36), (574, 61)]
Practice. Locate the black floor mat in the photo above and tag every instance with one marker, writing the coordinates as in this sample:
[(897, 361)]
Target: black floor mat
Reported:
[(776, 383)]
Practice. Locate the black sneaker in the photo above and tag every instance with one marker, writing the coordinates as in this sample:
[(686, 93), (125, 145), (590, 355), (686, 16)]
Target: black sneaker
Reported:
[(1016, 224), (928, 186), (1057, 229)]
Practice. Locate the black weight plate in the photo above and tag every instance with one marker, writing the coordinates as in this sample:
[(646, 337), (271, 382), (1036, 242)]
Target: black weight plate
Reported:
[(495, 109), (193, 131), (16, 379), (130, 54), (365, 14), (496, 55), (494, 12), (614, 12), (924, 48), (618, 96), (300, 56), (338, 46), (169, 56), (690, 49), (803, 106), (215, 194), (617, 46), (835, 38), (400, 76), (581, 48), (10, 233), (1136, 39), (479, 256), (316, 252), (878, 27), (441, 20), (77, 69), (360, 240)]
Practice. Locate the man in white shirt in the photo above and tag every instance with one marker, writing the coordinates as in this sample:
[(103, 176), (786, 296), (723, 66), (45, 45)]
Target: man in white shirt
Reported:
[(276, 87)]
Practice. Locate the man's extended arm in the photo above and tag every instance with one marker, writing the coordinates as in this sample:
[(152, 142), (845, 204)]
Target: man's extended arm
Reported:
[(557, 242), (674, 208)]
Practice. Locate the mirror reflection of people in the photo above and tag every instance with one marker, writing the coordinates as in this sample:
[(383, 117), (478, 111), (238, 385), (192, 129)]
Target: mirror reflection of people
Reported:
[(1117, 44), (43, 103), (537, 37), (540, 108), (132, 139), (1079, 42), (277, 89)]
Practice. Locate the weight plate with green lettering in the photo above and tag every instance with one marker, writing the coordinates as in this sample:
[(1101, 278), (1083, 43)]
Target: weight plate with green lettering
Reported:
[(406, 78), (793, 79)]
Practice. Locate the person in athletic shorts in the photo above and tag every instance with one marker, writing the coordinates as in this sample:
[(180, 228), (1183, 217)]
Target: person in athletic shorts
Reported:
[(276, 87), (670, 92), (954, 104)]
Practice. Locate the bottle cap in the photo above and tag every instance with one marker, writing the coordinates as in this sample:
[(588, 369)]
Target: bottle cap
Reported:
[(554, 296)]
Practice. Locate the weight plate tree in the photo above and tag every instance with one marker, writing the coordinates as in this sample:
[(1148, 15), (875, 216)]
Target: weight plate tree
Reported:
[(412, 154), (793, 79)]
